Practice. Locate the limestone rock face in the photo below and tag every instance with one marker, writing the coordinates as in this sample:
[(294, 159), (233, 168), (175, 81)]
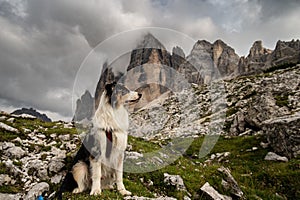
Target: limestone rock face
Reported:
[(213, 60), (283, 134), (84, 107), (256, 60), (153, 71), (261, 59), (224, 58), (286, 52)]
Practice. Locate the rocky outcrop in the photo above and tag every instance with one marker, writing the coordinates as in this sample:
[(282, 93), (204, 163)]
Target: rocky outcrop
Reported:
[(31, 159), (212, 193), (286, 52), (271, 156), (230, 183), (256, 60), (213, 60), (206, 61), (84, 107), (261, 59), (224, 57), (283, 134), (253, 100), (32, 112), (175, 181), (149, 50)]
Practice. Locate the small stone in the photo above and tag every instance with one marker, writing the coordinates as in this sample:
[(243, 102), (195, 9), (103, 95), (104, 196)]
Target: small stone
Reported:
[(15, 152), (264, 145), (56, 165), (4, 179), (254, 148), (64, 137), (133, 155), (56, 179), (11, 120), (174, 180), (212, 193), (2, 118), (37, 190), (43, 173), (271, 156)]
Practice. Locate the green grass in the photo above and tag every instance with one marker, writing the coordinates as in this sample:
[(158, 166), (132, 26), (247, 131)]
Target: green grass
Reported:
[(255, 176)]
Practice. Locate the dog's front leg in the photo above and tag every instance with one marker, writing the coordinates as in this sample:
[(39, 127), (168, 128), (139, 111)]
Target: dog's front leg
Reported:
[(119, 178), (96, 177)]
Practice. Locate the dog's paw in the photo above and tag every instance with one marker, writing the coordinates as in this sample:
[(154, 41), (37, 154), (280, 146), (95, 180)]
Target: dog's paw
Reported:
[(95, 192), (125, 192), (76, 191)]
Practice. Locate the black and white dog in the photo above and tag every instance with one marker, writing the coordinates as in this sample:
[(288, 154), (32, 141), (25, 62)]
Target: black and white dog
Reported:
[(99, 162)]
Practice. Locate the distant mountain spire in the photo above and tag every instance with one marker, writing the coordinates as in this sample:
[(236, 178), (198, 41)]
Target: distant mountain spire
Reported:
[(149, 41)]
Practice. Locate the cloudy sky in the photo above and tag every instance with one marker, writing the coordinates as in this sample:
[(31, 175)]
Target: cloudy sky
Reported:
[(43, 42)]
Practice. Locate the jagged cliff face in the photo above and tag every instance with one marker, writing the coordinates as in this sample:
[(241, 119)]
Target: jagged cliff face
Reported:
[(213, 60), (152, 69), (261, 59), (224, 58), (84, 107)]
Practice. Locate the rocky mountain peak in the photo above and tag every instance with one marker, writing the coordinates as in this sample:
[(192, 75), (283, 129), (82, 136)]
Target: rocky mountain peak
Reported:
[(201, 45), (288, 50), (149, 41), (178, 51), (84, 107), (258, 50)]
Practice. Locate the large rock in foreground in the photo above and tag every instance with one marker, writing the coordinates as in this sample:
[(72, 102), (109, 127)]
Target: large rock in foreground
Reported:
[(283, 134)]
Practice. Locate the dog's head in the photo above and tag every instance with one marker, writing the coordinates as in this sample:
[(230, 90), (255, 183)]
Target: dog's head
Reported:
[(118, 94)]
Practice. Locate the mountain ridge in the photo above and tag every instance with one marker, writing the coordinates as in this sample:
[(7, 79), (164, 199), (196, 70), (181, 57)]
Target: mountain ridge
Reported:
[(205, 62)]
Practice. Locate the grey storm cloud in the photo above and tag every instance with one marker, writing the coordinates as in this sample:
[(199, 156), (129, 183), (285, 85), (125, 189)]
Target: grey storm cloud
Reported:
[(43, 43)]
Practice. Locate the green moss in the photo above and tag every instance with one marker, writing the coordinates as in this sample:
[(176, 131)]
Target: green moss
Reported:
[(230, 111), (17, 163), (142, 146), (3, 168), (11, 189), (282, 100), (43, 157)]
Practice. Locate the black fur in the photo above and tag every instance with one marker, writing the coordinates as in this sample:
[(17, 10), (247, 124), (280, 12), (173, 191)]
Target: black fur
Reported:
[(109, 91)]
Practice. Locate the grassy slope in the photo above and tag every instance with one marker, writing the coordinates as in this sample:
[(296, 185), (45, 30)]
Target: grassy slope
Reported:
[(256, 177)]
